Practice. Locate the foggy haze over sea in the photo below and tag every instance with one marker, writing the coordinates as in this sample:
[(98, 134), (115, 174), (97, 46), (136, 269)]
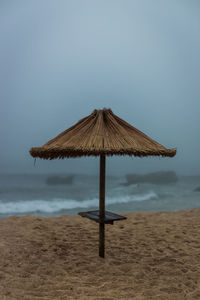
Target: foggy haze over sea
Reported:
[(60, 60)]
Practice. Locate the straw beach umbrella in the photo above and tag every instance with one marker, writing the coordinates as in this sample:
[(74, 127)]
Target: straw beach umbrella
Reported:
[(102, 134)]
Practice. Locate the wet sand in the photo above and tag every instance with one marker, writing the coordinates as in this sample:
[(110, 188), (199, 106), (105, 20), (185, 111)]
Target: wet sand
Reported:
[(148, 256)]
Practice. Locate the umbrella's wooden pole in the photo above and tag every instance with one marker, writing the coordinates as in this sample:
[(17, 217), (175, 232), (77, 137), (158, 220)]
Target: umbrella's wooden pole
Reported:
[(102, 205)]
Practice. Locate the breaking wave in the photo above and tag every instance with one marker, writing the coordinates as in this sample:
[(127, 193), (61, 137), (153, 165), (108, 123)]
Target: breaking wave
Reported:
[(56, 204)]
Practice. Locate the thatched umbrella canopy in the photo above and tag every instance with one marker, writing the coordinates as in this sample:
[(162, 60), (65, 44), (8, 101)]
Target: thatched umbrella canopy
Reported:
[(101, 133)]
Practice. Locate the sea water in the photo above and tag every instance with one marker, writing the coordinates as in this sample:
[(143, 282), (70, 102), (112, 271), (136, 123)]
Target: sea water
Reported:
[(31, 195)]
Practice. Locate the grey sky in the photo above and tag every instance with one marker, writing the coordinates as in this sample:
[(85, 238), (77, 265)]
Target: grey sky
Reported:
[(61, 59)]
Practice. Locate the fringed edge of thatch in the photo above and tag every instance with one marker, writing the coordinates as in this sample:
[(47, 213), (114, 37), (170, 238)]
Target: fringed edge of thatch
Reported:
[(67, 153)]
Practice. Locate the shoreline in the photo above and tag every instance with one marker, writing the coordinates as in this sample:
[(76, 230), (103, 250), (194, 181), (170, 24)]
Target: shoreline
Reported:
[(151, 255)]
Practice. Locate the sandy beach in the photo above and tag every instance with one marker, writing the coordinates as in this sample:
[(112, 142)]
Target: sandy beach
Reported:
[(148, 256)]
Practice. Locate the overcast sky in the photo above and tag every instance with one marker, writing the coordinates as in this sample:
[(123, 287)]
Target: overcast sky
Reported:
[(59, 60)]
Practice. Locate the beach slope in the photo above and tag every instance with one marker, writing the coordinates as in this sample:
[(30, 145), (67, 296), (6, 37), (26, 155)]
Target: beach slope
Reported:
[(148, 256)]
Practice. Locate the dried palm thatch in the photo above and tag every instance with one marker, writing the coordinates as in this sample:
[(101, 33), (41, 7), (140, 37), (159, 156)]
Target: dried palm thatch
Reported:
[(102, 132)]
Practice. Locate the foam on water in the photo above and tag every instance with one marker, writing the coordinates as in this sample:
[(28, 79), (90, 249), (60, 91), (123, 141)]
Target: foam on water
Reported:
[(55, 205)]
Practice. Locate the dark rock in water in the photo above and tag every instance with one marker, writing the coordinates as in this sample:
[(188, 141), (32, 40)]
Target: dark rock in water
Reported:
[(197, 189), (52, 180), (155, 178)]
